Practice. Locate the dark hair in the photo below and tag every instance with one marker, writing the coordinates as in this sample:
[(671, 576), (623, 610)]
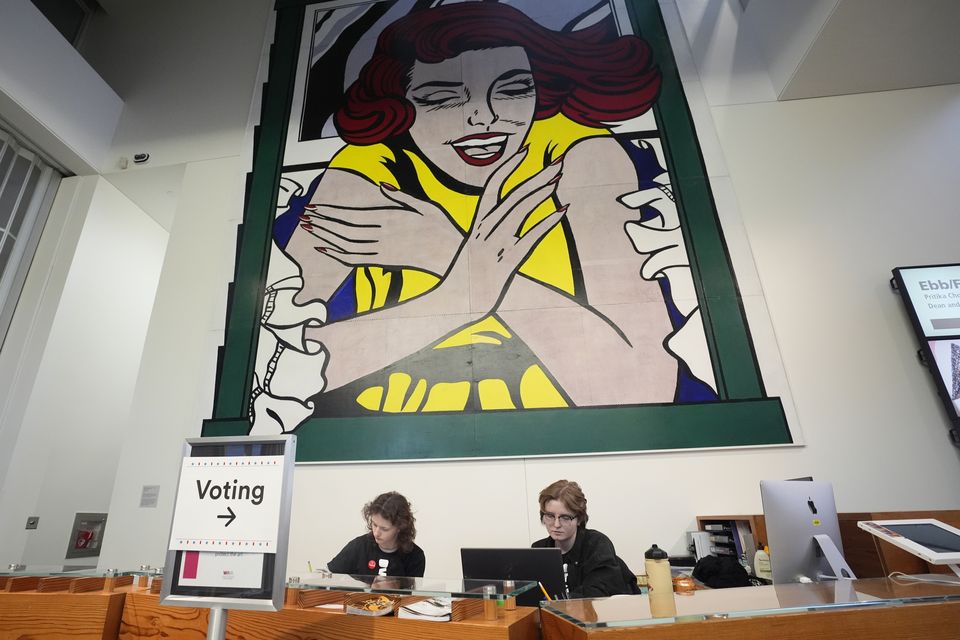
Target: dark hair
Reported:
[(571, 495), (395, 508), (582, 74)]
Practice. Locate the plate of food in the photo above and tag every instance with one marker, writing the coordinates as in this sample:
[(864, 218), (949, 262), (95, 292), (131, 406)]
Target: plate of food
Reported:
[(374, 605)]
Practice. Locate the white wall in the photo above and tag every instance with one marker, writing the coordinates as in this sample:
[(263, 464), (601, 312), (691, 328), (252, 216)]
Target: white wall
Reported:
[(808, 184), (175, 383), (76, 416), (36, 309)]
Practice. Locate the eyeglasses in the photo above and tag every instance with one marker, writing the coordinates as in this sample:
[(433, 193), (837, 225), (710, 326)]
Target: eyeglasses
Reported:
[(549, 518)]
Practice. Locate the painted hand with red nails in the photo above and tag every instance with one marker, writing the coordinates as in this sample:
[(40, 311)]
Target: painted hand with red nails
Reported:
[(501, 237), (391, 236)]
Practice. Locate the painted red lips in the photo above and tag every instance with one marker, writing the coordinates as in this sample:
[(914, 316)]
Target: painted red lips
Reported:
[(480, 149)]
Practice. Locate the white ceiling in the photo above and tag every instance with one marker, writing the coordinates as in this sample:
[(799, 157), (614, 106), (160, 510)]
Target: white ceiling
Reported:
[(833, 47), (812, 48)]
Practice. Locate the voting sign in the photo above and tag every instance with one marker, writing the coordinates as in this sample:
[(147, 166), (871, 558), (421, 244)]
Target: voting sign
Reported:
[(231, 523), (228, 504)]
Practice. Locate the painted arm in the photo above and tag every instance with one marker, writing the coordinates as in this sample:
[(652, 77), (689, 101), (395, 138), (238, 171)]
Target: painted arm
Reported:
[(352, 223), (610, 351), (484, 266)]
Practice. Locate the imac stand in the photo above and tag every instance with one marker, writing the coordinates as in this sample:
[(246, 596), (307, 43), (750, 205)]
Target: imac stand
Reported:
[(841, 570)]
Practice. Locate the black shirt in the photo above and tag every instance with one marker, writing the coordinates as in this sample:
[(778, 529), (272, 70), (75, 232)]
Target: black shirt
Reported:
[(592, 567), (362, 557)]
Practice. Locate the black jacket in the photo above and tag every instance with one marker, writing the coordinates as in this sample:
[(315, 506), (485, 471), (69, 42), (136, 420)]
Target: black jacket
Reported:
[(363, 557), (592, 566)]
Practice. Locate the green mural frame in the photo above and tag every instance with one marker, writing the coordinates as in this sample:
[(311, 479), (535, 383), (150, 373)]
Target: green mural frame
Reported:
[(744, 415)]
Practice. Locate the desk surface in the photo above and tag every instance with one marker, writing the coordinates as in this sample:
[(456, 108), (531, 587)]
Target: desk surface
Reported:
[(144, 617), (634, 611)]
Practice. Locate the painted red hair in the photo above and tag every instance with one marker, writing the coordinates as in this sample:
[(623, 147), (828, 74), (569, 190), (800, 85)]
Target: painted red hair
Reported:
[(581, 74)]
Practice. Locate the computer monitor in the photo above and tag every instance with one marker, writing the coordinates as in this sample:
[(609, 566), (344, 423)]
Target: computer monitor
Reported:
[(542, 565), (803, 532)]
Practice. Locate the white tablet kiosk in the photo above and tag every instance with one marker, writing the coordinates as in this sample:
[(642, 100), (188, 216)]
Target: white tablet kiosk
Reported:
[(928, 539)]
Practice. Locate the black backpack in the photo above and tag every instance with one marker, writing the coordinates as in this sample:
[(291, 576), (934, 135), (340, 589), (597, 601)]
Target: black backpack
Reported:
[(721, 572)]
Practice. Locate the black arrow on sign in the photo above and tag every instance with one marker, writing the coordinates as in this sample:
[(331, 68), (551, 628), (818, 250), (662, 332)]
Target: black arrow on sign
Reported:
[(231, 517)]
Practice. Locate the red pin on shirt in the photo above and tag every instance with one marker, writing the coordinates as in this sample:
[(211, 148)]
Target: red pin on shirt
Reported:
[(372, 564)]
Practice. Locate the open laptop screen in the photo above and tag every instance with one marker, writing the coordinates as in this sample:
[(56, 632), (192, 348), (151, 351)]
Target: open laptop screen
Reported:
[(542, 565)]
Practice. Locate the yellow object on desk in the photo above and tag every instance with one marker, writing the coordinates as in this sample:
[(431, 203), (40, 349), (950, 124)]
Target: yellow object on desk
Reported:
[(545, 594)]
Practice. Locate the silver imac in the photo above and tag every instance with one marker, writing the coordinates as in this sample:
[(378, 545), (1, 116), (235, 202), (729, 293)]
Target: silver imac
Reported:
[(803, 532)]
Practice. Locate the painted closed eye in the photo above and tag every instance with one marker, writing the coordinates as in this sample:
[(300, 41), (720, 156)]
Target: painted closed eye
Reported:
[(517, 88), (444, 98)]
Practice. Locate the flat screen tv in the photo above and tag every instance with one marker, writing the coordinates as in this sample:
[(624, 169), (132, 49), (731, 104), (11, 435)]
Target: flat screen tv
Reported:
[(932, 297)]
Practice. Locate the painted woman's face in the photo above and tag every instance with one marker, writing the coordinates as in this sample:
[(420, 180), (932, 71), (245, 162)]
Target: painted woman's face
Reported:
[(472, 111)]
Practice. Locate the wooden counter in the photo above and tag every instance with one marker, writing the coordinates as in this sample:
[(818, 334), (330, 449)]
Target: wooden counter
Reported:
[(909, 622), (867, 621), (60, 614), (144, 617)]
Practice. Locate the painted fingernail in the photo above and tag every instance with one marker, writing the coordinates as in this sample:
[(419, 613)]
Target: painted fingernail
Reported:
[(557, 161), (388, 186), (311, 207), (563, 209), (321, 249), (556, 178), (307, 226), (306, 218)]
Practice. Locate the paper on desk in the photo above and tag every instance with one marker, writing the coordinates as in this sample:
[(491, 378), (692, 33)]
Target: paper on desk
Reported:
[(436, 609)]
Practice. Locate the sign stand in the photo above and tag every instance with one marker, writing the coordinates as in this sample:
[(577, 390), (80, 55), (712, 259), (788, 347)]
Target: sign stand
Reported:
[(230, 527), (217, 627)]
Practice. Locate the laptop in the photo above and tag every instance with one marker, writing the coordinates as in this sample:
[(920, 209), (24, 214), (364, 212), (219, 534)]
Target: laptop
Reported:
[(541, 565)]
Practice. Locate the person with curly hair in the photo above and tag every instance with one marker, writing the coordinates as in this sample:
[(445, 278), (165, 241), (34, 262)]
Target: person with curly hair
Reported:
[(388, 547)]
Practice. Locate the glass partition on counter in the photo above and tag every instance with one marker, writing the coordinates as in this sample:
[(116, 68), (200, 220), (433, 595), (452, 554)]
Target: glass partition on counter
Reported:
[(43, 570), (430, 587), (706, 604)]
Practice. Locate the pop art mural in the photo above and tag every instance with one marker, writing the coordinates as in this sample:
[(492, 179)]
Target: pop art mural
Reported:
[(486, 236)]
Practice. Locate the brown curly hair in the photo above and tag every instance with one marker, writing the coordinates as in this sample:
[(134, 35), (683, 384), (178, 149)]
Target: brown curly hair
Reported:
[(570, 495), (395, 508)]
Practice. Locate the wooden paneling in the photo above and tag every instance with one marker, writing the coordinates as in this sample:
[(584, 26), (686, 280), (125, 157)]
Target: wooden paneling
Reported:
[(83, 585), (52, 616), (54, 583), (110, 584), (22, 583), (940, 621)]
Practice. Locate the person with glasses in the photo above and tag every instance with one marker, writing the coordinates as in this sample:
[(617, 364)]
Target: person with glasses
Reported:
[(387, 549), (591, 566)]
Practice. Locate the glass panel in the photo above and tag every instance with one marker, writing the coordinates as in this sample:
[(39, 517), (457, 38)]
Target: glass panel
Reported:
[(634, 611), (21, 213), (6, 155), (12, 188), (413, 586), (60, 570), (6, 248)]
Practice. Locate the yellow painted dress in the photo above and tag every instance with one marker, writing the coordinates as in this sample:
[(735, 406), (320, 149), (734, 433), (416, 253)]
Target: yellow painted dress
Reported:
[(482, 366)]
